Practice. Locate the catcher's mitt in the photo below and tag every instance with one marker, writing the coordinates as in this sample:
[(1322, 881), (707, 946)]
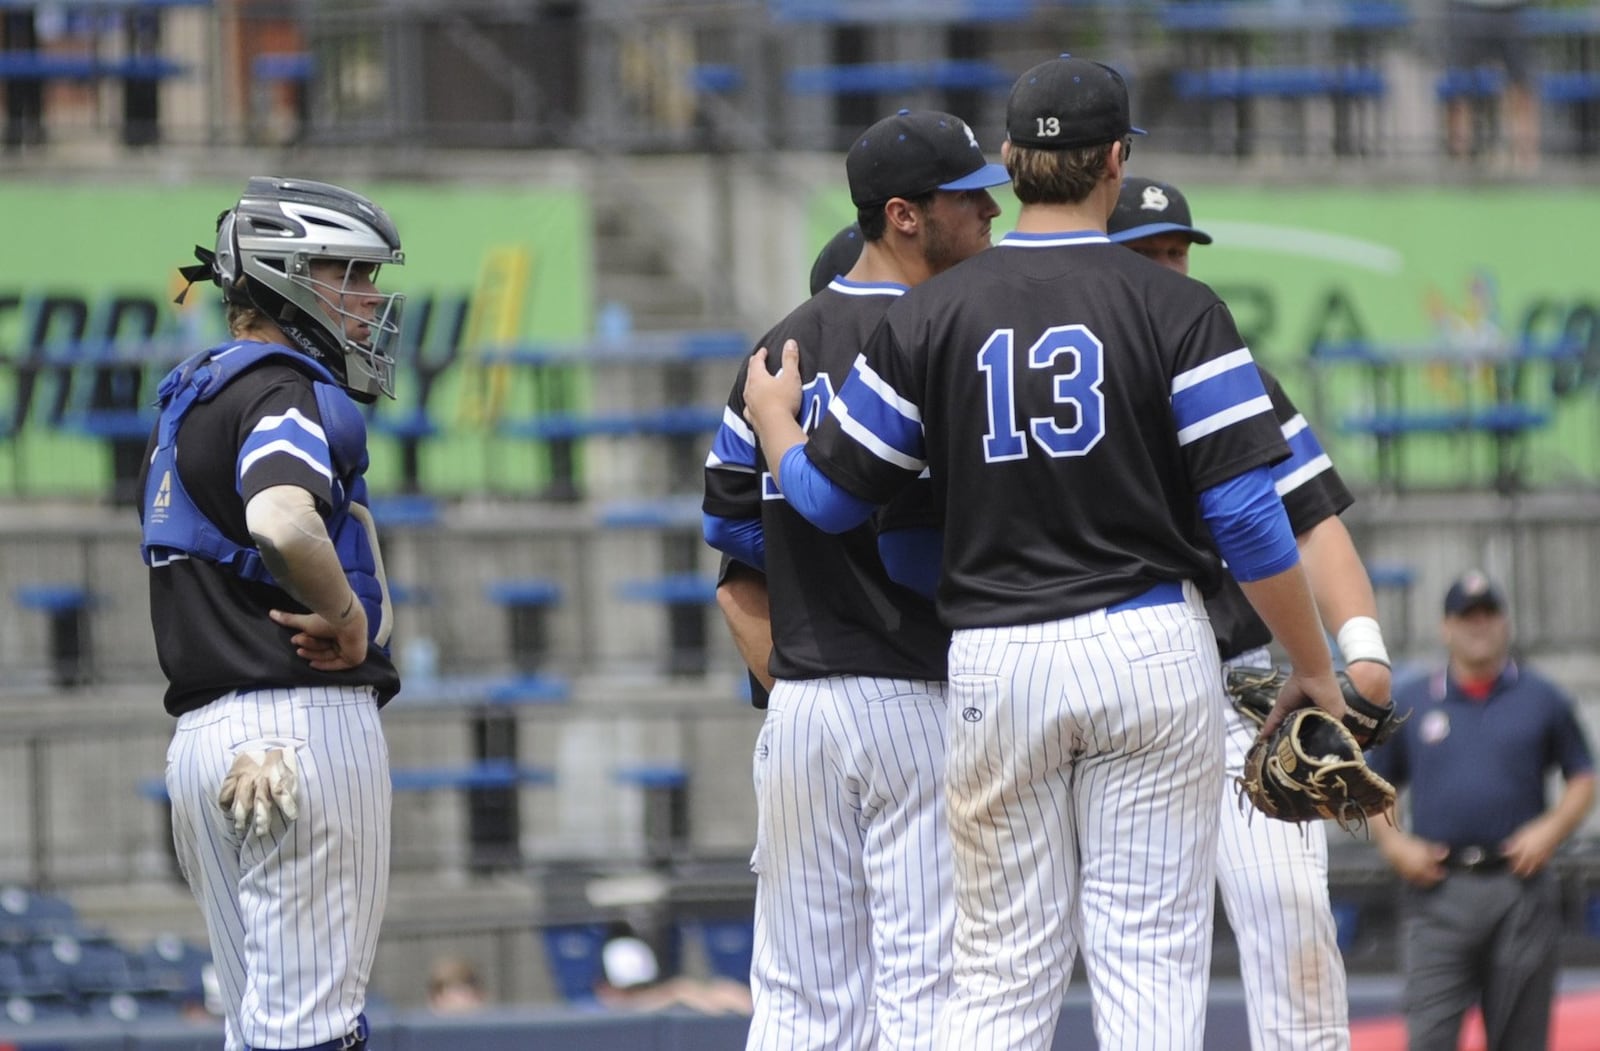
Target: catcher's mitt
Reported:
[(1253, 692), (1311, 768)]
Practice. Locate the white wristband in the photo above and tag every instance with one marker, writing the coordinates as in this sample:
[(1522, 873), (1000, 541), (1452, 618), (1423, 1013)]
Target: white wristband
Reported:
[(1360, 639)]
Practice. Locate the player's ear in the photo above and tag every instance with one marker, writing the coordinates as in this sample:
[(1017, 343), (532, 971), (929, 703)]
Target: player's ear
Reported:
[(902, 215)]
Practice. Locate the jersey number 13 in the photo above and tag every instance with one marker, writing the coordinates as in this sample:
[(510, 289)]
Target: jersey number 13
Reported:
[(1074, 358)]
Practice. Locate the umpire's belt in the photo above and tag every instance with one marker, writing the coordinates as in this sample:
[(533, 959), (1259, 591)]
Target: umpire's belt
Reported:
[(1475, 859), (1160, 595)]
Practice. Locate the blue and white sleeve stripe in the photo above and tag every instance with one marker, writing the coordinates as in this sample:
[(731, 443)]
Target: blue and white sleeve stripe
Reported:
[(886, 424), (1306, 457), (1221, 392), (734, 447), (288, 434)]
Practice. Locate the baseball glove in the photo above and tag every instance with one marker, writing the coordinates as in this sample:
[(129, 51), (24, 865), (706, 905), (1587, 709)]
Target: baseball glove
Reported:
[(1254, 691), (1311, 768)]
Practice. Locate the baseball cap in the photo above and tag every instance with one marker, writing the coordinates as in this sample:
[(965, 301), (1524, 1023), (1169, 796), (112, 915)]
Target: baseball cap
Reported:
[(1146, 208), (836, 257), (1473, 591), (1066, 103), (916, 152)]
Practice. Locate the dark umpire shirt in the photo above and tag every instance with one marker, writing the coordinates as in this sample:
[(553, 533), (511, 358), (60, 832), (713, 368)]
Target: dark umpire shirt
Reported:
[(1312, 491), (1477, 768), (1071, 399), (834, 609), (212, 631)]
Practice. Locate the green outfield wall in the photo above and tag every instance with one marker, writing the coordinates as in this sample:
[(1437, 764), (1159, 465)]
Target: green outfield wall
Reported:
[(486, 267), (1444, 279)]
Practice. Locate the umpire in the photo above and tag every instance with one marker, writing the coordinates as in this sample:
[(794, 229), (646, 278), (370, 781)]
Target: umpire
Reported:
[(1482, 912)]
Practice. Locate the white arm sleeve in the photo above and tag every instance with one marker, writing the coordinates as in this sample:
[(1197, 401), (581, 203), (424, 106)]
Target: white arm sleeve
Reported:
[(294, 544)]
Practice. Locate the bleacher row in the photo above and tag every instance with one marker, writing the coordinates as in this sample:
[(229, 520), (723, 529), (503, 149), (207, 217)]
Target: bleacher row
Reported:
[(54, 968), (1215, 55)]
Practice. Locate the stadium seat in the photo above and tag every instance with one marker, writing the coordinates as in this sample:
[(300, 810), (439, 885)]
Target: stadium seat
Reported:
[(176, 967), (26, 916), (37, 1010), (68, 607), (573, 952), (729, 945), (666, 806)]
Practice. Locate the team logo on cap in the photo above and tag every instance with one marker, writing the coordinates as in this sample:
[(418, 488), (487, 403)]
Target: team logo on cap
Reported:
[(972, 140), (1154, 199)]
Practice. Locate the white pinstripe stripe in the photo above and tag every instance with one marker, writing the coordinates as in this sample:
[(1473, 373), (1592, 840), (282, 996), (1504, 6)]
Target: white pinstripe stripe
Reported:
[(1086, 728), (853, 908), (288, 978)]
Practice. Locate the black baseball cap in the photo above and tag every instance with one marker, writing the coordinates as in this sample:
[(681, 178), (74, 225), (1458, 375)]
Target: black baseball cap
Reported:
[(1473, 591), (916, 152), (1067, 103), (1146, 208), (836, 257)]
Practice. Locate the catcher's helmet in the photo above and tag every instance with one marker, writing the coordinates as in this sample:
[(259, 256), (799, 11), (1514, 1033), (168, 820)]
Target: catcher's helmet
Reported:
[(265, 246)]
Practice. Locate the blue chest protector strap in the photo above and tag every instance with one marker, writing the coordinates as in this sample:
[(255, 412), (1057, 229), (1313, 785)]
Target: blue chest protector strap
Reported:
[(175, 528)]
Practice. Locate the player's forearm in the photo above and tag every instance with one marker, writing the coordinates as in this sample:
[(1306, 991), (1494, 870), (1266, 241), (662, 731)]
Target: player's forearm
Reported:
[(297, 551), (746, 607), (1284, 602), (1573, 806), (1343, 590)]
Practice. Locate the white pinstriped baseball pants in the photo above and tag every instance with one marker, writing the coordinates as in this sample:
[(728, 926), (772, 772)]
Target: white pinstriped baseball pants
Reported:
[(292, 916), (853, 904), (1083, 778), (1274, 881)]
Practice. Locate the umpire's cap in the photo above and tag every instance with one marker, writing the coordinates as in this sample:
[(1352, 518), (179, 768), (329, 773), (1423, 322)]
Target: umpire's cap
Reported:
[(1472, 592), (1067, 103), (1146, 208), (836, 257), (917, 152)]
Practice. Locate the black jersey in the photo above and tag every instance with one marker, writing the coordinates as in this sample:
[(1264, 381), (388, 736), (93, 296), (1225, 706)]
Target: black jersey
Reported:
[(212, 631), (1070, 399), (834, 609), (1311, 490)]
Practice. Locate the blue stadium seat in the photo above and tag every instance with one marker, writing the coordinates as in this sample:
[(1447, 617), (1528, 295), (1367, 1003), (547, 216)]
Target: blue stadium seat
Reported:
[(14, 981), (677, 589), (1573, 86), (37, 1010), (729, 945), (1478, 83), (67, 606), (175, 967), (26, 916), (1287, 82), (1347, 924), (573, 951), (487, 773), (896, 78), (857, 11)]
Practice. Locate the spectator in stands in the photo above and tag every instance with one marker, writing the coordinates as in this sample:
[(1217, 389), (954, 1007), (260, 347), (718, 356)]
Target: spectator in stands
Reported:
[(632, 979), (455, 987), (1482, 912), (1484, 35)]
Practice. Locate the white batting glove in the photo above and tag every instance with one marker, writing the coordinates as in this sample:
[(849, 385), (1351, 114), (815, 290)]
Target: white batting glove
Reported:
[(260, 780)]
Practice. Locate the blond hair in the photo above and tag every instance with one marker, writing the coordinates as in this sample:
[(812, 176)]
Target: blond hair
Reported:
[(1041, 176)]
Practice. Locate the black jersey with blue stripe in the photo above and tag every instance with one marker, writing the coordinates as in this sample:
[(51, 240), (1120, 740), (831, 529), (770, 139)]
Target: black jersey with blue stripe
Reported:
[(1312, 492), (834, 609), (212, 631), (1071, 400)]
